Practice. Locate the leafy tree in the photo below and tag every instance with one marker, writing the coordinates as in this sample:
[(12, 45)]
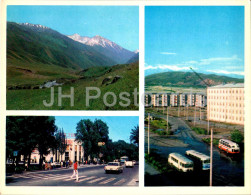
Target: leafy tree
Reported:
[(20, 136), (134, 138), (90, 133), (46, 129), (236, 136), (24, 133)]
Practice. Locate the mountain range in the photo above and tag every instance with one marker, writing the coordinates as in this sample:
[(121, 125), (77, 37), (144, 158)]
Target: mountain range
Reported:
[(187, 79), (36, 43), (105, 47)]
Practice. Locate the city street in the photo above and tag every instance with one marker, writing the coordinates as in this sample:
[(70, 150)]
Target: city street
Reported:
[(226, 169), (89, 175)]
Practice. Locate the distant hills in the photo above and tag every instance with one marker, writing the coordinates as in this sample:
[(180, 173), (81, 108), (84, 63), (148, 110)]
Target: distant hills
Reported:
[(187, 79), (30, 43)]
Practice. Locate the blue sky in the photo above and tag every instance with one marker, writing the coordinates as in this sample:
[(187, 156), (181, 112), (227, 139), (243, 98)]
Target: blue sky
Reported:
[(210, 39), (119, 24), (119, 126)]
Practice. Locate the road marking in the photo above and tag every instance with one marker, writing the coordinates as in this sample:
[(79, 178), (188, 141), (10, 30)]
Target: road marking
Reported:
[(107, 181), (73, 178), (120, 182), (61, 177), (88, 178), (20, 176), (96, 180)]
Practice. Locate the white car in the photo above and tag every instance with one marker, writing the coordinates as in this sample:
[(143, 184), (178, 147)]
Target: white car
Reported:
[(129, 164), (113, 167)]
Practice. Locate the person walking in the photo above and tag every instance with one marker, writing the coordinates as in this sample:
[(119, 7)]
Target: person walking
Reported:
[(75, 170)]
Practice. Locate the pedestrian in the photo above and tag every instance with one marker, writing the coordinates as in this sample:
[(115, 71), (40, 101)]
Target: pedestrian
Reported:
[(75, 170), (66, 164)]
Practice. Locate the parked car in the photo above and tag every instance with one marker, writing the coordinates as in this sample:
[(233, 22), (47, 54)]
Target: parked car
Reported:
[(113, 167)]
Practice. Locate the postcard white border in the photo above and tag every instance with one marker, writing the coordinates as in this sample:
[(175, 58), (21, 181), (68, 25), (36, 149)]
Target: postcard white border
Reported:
[(124, 190)]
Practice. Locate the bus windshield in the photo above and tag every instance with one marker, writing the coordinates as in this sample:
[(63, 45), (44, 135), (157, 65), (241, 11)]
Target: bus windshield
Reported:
[(206, 161), (188, 165)]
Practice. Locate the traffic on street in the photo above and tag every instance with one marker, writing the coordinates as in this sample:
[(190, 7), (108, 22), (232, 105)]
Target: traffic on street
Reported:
[(88, 175)]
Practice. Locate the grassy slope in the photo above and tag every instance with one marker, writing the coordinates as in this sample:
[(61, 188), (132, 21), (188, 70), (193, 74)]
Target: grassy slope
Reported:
[(33, 99), (22, 73), (46, 46)]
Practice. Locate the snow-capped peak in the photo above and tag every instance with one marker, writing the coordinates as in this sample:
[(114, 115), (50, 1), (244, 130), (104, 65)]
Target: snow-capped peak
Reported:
[(96, 40), (34, 25), (136, 51)]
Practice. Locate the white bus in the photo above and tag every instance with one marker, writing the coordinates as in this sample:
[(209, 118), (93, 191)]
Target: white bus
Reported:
[(123, 159), (200, 160), (229, 146), (180, 162)]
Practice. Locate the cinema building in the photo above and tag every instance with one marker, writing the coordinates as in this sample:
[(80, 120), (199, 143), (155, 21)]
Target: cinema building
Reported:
[(225, 103)]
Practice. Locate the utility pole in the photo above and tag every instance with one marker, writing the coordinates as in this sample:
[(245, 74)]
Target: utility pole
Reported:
[(211, 159), (187, 112), (194, 114), (167, 120), (178, 110), (148, 133)]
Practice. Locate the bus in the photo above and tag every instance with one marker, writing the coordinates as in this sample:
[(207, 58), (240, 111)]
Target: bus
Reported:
[(201, 161), (180, 162), (229, 146), (123, 159)]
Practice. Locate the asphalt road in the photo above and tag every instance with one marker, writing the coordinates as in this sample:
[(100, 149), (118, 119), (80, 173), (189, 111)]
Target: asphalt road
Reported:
[(89, 175), (227, 171)]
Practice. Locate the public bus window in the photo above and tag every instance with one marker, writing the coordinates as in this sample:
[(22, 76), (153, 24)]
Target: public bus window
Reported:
[(206, 161)]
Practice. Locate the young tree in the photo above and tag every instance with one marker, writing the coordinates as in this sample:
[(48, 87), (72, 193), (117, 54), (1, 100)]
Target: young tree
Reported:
[(61, 142)]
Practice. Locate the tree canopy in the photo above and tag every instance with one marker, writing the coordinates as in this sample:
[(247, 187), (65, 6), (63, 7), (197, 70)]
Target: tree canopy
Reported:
[(24, 133)]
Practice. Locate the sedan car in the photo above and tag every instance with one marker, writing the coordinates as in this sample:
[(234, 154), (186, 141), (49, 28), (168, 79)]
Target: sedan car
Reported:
[(113, 167)]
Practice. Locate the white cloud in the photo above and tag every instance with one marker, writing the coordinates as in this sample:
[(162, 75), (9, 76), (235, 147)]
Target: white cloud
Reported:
[(150, 67), (168, 67), (226, 72), (218, 59), (168, 53)]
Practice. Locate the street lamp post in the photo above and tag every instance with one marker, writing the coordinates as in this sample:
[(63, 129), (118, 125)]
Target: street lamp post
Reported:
[(148, 133), (211, 159)]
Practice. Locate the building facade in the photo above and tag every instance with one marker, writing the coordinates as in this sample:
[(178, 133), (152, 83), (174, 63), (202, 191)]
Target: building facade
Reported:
[(225, 103), (173, 99), (74, 152)]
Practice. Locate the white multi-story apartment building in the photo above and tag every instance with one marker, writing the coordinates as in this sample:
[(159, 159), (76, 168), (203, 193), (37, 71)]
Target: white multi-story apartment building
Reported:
[(200, 100), (174, 99), (190, 99), (166, 100), (225, 103), (182, 99)]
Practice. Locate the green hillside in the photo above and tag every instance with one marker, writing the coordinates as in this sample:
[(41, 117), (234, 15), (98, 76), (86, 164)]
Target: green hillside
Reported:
[(46, 46), (115, 79), (187, 79)]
